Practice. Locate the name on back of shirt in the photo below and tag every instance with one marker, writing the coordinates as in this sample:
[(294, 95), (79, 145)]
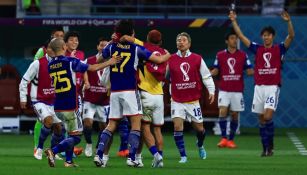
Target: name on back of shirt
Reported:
[(123, 46), (55, 66)]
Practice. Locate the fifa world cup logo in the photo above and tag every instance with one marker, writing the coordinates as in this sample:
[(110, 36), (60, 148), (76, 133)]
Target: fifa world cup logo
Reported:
[(185, 67), (231, 64), (267, 57)]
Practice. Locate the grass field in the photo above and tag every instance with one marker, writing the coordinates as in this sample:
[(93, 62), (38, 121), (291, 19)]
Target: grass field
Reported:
[(16, 158)]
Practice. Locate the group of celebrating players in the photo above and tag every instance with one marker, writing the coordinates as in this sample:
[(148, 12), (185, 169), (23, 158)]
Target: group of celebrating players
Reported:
[(123, 82)]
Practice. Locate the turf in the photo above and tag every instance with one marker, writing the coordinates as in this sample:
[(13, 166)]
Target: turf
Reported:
[(16, 158)]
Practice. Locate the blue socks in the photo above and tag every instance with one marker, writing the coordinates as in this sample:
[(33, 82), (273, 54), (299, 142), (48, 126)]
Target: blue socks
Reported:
[(233, 129), (104, 140), (223, 126), (87, 135), (66, 144), (98, 140), (200, 138), (161, 153), (264, 137), (178, 137), (269, 125), (56, 139), (133, 141), (43, 136), (124, 134), (153, 150)]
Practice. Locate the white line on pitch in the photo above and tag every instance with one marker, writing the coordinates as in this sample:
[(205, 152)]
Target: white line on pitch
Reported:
[(297, 143)]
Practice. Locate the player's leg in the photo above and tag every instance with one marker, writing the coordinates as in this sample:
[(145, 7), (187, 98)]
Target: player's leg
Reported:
[(236, 106), (223, 103), (89, 110), (37, 129), (194, 112), (123, 129), (178, 116), (44, 114)]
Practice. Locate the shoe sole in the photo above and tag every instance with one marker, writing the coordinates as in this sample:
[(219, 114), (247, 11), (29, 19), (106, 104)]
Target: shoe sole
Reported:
[(50, 157)]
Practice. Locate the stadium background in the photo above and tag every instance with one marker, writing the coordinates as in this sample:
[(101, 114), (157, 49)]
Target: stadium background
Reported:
[(23, 32)]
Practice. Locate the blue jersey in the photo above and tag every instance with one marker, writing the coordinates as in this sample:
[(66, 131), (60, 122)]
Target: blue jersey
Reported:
[(123, 74), (62, 72)]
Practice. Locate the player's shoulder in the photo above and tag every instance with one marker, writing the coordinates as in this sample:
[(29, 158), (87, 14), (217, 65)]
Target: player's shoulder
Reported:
[(241, 52), (221, 52), (195, 55)]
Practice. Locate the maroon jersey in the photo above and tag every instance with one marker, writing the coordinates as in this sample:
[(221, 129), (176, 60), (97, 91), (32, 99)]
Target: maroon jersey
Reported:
[(79, 76), (268, 63), (96, 94), (231, 67), (185, 77), (42, 89), (157, 70)]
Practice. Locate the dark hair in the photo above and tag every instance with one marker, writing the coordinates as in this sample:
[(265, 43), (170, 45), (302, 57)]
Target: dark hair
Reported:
[(124, 27), (268, 29), (101, 39), (184, 34), (229, 33), (71, 34), (57, 29)]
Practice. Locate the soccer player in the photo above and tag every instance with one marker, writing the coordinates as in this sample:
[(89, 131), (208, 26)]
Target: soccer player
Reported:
[(42, 51), (268, 61), (96, 101), (42, 98), (187, 71), (151, 76), (62, 71), (230, 64), (125, 99)]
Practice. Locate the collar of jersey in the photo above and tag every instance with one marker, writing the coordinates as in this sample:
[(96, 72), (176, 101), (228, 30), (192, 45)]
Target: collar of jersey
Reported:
[(188, 53)]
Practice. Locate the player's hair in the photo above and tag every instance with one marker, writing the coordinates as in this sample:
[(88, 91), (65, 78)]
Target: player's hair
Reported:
[(124, 27), (154, 37), (268, 29), (186, 35), (56, 44), (57, 29), (71, 34), (229, 33), (101, 39)]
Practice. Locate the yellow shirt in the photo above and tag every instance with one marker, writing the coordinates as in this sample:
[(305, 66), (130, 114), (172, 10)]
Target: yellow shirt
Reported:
[(148, 82)]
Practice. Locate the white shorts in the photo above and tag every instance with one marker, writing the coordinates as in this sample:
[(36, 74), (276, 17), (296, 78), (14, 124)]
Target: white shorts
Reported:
[(153, 108), (42, 111), (265, 97), (125, 103), (90, 109), (187, 111), (234, 100)]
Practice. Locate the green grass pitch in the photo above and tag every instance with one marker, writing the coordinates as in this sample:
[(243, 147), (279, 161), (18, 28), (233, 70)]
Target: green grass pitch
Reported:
[(16, 158)]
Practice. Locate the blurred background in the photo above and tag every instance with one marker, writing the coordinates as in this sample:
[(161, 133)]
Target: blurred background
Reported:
[(26, 24)]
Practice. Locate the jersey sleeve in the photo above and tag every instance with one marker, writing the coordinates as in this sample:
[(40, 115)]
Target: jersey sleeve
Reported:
[(138, 42), (216, 63), (206, 77), (253, 47), (78, 66), (26, 79), (283, 49), (39, 54), (106, 52), (248, 64), (143, 53)]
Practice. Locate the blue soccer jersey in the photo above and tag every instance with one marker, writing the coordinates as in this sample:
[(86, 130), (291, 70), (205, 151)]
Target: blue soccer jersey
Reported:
[(62, 72), (123, 74)]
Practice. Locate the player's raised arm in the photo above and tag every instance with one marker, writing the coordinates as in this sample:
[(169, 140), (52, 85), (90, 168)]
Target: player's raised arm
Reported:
[(113, 60), (158, 58), (286, 17), (233, 17)]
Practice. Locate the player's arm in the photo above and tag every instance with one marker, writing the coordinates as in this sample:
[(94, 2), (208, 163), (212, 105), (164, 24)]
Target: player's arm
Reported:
[(286, 17), (26, 79), (233, 17), (207, 80), (86, 82), (215, 70), (113, 60), (132, 40), (158, 58), (248, 66)]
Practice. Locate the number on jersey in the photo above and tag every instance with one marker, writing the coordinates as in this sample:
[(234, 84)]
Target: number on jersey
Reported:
[(126, 57), (58, 78)]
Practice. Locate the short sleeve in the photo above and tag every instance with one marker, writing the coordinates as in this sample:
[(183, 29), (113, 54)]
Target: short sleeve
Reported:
[(143, 53), (39, 54), (216, 63), (253, 47), (78, 66), (106, 52), (282, 48)]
